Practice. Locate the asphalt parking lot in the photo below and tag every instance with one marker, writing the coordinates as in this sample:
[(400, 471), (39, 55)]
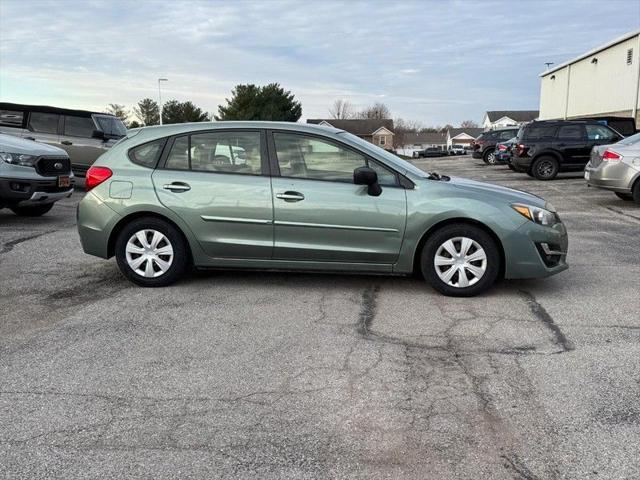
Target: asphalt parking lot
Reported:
[(278, 375)]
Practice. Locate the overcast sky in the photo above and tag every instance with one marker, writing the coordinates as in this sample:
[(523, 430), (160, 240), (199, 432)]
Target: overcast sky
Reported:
[(433, 61)]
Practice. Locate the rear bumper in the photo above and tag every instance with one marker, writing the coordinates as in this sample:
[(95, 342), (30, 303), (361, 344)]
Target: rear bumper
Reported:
[(615, 176), (521, 164), (95, 224)]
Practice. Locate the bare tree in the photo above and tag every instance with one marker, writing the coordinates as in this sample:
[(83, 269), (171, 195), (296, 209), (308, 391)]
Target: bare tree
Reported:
[(119, 111), (469, 124), (341, 110), (402, 128), (378, 111)]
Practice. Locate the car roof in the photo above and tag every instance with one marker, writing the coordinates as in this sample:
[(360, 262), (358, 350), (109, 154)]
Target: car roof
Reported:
[(19, 107), (560, 122), (180, 128)]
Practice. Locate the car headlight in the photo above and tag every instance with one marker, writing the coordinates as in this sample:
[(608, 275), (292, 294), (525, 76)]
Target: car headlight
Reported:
[(536, 214), (18, 159)]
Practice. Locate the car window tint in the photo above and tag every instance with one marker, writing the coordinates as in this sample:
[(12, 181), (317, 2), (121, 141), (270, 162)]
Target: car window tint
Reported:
[(599, 132), (506, 135), (78, 126), (570, 132), (230, 152), (147, 154), (540, 132), (11, 118), (385, 176), (178, 158), (309, 157), (43, 122)]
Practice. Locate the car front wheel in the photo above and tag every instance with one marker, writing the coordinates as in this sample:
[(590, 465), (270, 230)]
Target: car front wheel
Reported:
[(460, 260), (32, 210), (151, 252)]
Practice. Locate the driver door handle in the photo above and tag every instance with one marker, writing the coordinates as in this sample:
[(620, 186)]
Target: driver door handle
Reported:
[(290, 196), (177, 187)]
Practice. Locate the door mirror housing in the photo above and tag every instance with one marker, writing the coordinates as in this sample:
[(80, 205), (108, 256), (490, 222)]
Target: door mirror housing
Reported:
[(367, 176), (98, 134)]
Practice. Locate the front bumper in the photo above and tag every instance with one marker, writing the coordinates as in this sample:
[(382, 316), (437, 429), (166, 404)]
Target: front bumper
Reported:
[(615, 176), (476, 154), (25, 192), (536, 251)]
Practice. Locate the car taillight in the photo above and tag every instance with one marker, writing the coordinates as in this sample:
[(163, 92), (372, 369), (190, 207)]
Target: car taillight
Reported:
[(520, 148), (95, 176), (502, 148), (611, 156)]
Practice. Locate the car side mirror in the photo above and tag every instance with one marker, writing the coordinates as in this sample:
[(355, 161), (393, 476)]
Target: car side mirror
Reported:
[(98, 134), (367, 176)]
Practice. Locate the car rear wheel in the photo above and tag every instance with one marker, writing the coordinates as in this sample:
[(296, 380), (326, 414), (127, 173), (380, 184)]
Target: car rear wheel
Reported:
[(32, 210), (624, 196), (489, 157), (460, 260), (545, 168), (151, 252), (635, 191)]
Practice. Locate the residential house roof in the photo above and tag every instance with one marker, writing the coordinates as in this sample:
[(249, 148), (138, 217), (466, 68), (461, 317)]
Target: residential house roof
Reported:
[(472, 132), (517, 115), (359, 126), (417, 138)]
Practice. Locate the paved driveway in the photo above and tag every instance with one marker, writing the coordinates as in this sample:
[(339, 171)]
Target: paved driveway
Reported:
[(269, 375)]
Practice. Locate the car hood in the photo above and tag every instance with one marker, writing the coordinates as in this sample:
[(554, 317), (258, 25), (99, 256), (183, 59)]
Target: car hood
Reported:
[(11, 144), (509, 195)]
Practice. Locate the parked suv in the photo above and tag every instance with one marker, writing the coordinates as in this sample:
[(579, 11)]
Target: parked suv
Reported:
[(484, 146), (83, 135), (33, 176), (305, 197), (544, 148)]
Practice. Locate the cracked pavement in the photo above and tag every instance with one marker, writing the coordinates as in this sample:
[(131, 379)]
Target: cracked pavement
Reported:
[(289, 375)]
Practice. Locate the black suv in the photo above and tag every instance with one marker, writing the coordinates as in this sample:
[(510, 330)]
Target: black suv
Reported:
[(545, 148), (484, 146)]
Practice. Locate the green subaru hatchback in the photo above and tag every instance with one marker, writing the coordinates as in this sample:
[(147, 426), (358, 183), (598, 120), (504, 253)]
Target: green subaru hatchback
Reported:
[(268, 195)]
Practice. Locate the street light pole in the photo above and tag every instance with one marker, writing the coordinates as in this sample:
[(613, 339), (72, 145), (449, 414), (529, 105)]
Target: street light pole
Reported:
[(160, 97)]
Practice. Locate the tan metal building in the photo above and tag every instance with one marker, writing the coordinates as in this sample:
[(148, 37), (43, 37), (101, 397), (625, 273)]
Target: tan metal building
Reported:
[(604, 81)]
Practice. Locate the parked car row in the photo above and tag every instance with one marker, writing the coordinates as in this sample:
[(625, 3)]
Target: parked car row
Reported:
[(440, 152), (542, 149)]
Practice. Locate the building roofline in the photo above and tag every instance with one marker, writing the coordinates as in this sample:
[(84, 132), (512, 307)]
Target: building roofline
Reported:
[(609, 44)]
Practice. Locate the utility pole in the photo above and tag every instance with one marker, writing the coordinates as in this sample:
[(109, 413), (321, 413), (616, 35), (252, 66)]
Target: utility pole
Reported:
[(160, 97)]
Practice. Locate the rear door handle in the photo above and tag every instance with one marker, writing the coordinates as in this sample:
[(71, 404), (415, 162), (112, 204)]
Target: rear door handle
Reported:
[(177, 187), (66, 142), (290, 196)]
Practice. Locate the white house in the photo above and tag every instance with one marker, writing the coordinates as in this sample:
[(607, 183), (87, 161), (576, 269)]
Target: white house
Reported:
[(462, 136), (604, 81), (508, 118)]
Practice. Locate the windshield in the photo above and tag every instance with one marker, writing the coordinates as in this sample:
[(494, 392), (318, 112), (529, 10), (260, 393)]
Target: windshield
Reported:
[(394, 160), (111, 126)]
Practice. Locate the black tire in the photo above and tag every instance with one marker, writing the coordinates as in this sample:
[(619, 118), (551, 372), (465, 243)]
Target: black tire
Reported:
[(529, 172), (489, 156), (511, 167), (628, 197), (454, 231), (32, 210), (178, 265), (545, 168), (635, 191)]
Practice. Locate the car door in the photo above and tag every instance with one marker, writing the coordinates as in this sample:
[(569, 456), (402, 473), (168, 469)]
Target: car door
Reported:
[(78, 141), (320, 215), (43, 127), (226, 204), (573, 145)]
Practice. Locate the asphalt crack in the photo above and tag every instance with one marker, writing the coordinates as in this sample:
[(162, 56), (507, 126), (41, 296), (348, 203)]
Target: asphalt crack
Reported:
[(368, 309), (620, 212), (8, 246), (514, 463), (541, 313)]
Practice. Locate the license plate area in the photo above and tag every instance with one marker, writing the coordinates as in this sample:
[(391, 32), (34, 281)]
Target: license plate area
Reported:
[(64, 181)]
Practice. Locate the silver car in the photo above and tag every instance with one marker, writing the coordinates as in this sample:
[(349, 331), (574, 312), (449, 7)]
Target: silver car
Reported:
[(616, 167), (33, 176)]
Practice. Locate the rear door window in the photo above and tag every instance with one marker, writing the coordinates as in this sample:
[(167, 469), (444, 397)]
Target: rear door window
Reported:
[(78, 126), (43, 122), (11, 118), (571, 132), (539, 132)]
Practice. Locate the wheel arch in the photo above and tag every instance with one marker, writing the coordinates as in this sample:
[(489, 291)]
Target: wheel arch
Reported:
[(124, 221), (459, 220), (548, 153)]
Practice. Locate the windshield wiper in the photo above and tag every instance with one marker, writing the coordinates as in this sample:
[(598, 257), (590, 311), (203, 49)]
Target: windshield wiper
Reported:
[(436, 176)]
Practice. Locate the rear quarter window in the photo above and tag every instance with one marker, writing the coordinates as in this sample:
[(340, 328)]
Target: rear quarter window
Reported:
[(540, 132), (147, 154), (11, 118)]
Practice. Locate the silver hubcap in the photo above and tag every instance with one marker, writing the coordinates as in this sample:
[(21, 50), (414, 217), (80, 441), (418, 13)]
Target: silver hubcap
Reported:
[(149, 253), (491, 158), (460, 262)]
